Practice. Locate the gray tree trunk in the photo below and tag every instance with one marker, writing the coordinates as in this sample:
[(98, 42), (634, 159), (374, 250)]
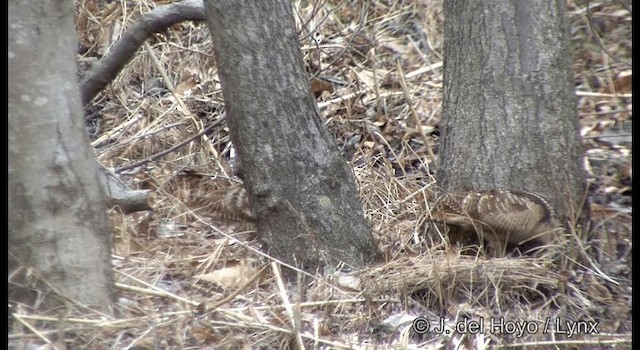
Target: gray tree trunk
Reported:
[(510, 118), (301, 190), (57, 209)]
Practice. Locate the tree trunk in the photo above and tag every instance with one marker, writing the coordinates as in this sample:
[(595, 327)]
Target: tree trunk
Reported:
[(510, 118), (301, 190), (57, 209)]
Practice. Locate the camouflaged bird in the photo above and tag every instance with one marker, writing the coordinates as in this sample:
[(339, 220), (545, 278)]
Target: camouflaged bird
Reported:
[(499, 216), (206, 197), (233, 204)]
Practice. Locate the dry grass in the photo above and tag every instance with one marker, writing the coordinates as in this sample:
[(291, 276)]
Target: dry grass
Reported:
[(186, 279)]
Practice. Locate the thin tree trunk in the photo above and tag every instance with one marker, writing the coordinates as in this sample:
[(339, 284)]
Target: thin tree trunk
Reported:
[(301, 190), (57, 209)]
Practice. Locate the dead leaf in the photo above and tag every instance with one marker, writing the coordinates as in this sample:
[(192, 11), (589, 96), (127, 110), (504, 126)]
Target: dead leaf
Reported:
[(319, 86), (186, 86), (230, 277)]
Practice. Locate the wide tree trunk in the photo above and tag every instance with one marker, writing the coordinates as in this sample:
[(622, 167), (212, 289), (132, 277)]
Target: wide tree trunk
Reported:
[(57, 209), (510, 117), (301, 190)]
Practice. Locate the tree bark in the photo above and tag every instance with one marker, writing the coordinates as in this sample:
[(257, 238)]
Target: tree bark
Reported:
[(510, 117), (301, 190), (57, 209)]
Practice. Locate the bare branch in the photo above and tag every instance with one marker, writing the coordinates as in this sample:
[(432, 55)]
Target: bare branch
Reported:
[(172, 149), (123, 51), (120, 194)]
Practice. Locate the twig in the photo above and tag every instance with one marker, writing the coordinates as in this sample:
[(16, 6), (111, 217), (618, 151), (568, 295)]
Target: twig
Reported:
[(267, 326), (416, 120), (153, 290), (239, 290), (163, 72), (295, 317), (624, 6), (172, 149), (20, 319), (568, 343), (598, 39), (361, 26), (178, 98), (599, 94)]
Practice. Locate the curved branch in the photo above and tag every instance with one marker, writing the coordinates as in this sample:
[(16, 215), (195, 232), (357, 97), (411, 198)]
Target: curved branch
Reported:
[(124, 49)]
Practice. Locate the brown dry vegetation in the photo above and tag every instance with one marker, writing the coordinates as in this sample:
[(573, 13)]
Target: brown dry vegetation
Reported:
[(189, 278)]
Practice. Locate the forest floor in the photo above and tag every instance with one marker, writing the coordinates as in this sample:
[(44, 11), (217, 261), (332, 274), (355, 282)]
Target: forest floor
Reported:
[(186, 278)]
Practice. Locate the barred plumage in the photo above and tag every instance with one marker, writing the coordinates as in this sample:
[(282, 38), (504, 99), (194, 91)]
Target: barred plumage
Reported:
[(232, 204), (499, 216)]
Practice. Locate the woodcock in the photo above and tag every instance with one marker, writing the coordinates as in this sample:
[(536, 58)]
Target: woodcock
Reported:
[(499, 216)]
